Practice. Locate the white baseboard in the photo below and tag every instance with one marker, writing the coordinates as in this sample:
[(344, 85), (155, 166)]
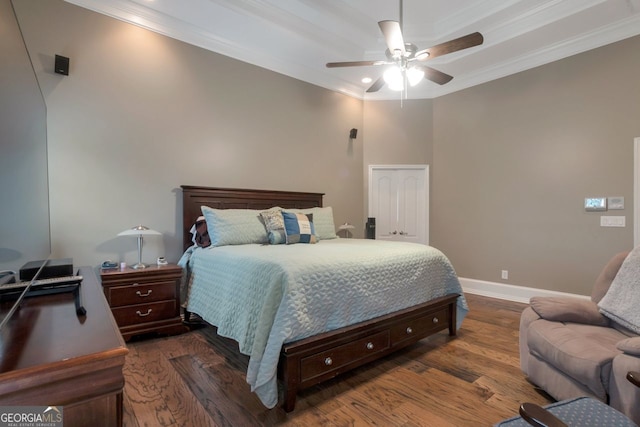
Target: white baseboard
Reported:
[(509, 292)]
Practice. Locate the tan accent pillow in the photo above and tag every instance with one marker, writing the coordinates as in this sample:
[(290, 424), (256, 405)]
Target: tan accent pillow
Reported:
[(567, 309), (274, 222)]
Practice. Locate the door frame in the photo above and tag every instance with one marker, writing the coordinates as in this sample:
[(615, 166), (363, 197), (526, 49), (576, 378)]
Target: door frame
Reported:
[(423, 167), (636, 191)]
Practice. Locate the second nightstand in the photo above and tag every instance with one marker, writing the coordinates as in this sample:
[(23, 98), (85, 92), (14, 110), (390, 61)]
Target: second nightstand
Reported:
[(145, 300)]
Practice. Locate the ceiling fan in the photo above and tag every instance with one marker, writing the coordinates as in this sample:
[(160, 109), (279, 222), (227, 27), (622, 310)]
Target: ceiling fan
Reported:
[(406, 60)]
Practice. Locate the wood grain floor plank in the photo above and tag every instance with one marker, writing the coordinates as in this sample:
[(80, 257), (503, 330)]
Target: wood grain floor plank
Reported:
[(155, 390), (213, 394), (146, 402), (488, 352), (363, 413), (199, 379), (425, 391), (419, 416), (128, 414)]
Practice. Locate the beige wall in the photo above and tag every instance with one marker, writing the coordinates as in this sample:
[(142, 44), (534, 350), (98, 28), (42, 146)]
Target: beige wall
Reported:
[(514, 159), (398, 132), (140, 114)]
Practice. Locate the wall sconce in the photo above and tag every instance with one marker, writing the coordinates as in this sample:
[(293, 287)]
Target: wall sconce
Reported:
[(353, 133)]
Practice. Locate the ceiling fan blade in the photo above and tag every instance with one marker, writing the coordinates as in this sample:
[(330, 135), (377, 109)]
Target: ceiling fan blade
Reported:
[(377, 85), (435, 75), (392, 35), (355, 63), (464, 42)]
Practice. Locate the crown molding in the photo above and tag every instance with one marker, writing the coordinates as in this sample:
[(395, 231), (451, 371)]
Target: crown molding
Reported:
[(302, 27)]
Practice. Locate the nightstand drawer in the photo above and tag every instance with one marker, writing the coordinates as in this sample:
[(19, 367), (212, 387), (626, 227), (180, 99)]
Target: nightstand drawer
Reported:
[(142, 313), (141, 293)]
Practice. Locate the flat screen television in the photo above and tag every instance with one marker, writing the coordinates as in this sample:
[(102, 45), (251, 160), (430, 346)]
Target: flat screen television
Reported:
[(12, 303), (24, 191)]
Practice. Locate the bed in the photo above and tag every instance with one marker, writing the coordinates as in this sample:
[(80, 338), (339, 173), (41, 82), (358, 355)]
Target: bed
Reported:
[(287, 305)]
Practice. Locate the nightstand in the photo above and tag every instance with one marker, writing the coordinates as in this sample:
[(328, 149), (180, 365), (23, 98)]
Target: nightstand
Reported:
[(145, 300)]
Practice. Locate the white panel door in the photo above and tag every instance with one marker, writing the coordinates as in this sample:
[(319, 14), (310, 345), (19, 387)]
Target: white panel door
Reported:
[(398, 199), (384, 186)]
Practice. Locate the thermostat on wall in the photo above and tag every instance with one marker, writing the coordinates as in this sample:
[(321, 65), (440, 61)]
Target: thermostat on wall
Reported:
[(615, 203), (595, 204)]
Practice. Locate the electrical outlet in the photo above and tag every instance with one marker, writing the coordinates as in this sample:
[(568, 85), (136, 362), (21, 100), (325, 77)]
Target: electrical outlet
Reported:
[(505, 274)]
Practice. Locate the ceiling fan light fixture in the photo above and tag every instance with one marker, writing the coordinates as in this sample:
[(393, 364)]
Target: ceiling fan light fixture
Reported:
[(402, 55), (394, 79), (415, 75), (366, 80)]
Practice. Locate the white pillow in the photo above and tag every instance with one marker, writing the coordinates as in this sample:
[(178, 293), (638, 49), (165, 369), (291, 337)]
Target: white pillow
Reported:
[(234, 226)]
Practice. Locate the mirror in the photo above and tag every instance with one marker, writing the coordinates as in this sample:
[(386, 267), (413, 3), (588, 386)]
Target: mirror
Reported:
[(24, 193)]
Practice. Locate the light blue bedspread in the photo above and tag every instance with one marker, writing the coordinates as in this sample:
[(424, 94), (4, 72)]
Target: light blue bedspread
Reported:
[(265, 295)]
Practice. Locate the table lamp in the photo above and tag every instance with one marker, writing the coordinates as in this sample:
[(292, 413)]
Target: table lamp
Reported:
[(139, 231), (346, 227)]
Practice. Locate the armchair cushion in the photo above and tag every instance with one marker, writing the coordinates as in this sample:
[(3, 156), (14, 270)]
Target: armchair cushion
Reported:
[(581, 352), (567, 309), (630, 346)]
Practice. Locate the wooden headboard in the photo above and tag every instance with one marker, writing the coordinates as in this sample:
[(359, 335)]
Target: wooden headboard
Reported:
[(193, 197)]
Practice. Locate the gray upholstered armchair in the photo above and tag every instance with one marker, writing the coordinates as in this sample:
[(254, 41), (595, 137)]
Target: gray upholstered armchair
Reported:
[(569, 349)]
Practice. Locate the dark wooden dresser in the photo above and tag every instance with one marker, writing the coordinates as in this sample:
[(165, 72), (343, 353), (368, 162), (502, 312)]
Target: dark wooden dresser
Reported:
[(51, 356), (145, 300)]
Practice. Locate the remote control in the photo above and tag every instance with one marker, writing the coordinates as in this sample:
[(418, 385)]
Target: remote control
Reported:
[(41, 283), (63, 280)]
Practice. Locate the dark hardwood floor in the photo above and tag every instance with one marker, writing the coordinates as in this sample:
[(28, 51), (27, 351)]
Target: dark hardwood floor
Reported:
[(198, 379)]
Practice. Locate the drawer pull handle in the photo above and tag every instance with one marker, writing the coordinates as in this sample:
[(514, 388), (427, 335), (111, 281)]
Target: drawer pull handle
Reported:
[(409, 330), (139, 313), (369, 346), (140, 294), (435, 320), (328, 361)]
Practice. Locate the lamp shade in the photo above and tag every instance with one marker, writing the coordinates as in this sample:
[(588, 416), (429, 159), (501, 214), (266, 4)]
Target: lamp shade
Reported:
[(139, 230), (393, 78), (414, 75)]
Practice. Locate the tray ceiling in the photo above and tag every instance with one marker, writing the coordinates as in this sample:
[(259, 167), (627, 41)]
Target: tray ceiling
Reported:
[(298, 37)]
